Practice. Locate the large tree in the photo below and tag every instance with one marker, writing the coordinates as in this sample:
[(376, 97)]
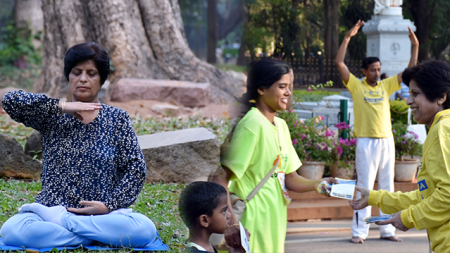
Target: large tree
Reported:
[(145, 39), (422, 12)]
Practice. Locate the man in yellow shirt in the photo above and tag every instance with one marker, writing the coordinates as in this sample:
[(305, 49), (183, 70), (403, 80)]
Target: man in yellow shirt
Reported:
[(375, 150)]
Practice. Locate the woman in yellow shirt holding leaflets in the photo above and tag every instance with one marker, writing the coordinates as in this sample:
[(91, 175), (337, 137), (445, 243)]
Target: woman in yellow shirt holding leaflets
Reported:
[(258, 139), (428, 207)]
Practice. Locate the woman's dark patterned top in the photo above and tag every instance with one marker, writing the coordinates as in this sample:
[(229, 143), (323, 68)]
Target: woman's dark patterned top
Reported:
[(99, 161)]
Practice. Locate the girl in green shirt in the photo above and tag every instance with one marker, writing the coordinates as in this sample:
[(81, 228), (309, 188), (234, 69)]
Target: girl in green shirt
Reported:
[(258, 140)]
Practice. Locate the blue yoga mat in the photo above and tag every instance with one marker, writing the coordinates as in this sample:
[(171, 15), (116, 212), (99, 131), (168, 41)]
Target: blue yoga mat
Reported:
[(157, 245)]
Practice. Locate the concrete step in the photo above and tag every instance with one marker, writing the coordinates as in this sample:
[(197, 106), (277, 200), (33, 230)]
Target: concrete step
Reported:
[(312, 205)]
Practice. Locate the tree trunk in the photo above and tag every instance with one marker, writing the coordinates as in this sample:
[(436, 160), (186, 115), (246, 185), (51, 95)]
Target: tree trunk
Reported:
[(422, 12), (211, 41), (29, 14), (145, 39), (331, 37)]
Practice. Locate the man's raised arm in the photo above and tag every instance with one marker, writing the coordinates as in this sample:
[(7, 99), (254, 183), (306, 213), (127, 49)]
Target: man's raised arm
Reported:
[(414, 52), (343, 69)]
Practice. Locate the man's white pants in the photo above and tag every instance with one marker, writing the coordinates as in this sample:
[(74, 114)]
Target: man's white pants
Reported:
[(373, 155)]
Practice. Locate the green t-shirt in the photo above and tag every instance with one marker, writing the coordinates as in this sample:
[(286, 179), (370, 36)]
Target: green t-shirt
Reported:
[(250, 155)]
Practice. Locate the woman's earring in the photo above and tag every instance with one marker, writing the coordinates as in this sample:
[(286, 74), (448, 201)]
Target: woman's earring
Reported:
[(260, 93), (440, 102)]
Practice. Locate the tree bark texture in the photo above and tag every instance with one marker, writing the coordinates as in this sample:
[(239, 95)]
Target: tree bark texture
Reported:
[(331, 35), (145, 39), (211, 41), (422, 11)]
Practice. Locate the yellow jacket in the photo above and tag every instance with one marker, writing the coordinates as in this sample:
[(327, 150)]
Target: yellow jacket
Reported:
[(429, 206)]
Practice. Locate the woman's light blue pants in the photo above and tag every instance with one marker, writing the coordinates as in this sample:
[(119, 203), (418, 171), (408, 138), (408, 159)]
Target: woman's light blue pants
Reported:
[(29, 230)]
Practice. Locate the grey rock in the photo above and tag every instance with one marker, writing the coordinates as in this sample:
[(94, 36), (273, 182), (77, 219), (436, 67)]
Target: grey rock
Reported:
[(180, 156), (184, 93), (14, 162), (33, 147)]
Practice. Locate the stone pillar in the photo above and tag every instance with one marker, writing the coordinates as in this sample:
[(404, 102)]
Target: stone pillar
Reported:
[(387, 39)]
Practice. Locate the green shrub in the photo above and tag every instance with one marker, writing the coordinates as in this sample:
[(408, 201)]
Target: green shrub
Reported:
[(313, 95), (399, 111), (17, 44)]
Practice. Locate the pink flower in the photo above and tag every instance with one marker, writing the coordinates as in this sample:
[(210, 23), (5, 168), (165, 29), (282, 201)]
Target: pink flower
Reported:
[(294, 141), (339, 150), (303, 136), (353, 142), (309, 89), (321, 117)]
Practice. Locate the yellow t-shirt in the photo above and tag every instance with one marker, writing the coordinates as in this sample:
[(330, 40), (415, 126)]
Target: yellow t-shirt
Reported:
[(371, 106), (251, 155), (428, 207)]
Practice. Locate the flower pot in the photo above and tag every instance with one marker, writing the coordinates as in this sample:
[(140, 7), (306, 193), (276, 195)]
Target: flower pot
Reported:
[(405, 171), (311, 170), (341, 171)]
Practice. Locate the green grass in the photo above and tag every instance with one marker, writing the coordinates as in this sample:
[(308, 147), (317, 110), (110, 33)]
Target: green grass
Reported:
[(157, 201), (11, 76), (229, 66), (312, 96), (219, 126)]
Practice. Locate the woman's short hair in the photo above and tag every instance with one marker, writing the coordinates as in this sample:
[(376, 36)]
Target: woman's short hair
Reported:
[(87, 51), (199, 198), (262, 74), (432, 77)]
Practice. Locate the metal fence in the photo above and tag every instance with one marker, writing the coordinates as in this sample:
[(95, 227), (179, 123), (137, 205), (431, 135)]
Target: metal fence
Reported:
[(318, 70)]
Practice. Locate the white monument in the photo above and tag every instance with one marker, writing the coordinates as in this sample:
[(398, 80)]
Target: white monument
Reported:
[(387, 36)]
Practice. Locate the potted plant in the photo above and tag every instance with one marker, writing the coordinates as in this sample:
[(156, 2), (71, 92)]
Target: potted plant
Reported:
[(343, 154), (406, 144), (312, 141)]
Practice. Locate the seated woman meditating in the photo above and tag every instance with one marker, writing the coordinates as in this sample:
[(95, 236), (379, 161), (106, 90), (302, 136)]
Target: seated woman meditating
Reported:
[(93, 168)]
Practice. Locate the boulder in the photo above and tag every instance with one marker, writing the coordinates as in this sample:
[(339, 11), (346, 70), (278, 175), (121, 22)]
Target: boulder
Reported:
[(33, 147), (180, 156), (183, 93), (14, 162)]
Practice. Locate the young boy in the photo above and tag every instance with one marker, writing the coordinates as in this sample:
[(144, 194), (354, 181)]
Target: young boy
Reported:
[(203, 208)]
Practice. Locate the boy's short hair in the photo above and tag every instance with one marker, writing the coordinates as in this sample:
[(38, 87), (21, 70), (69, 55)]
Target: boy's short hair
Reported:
[(199, 198)]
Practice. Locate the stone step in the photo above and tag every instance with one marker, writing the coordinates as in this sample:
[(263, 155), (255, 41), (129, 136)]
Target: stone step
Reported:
[(312, 205)]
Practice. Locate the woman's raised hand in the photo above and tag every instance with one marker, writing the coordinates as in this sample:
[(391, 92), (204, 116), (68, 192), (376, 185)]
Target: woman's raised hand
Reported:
[(91, 207), (354, 30), (73, 108), (363, 202)]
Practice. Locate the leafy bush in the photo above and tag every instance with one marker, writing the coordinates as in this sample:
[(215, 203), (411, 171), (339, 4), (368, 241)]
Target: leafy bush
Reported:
[(17, 45), (344, 150), (399, 111), (406, 143), (312, 95), (311, 139)]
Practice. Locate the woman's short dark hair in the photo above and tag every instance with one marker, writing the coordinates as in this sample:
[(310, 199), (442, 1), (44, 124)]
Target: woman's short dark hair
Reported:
[(199, 198), (369, 60), (87, 51), (262, 74), (432, 77)]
